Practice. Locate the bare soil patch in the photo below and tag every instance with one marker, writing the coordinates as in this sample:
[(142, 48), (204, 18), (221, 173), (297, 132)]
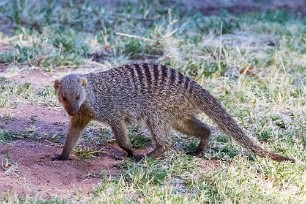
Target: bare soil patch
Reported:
[(27, 168), (37, 119)]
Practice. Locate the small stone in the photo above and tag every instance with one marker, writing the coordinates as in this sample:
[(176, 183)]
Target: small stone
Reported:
[(232, 73)]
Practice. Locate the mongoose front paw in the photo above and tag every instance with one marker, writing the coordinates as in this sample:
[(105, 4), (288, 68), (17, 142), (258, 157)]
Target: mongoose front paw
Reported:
[(195, 153), (134, 157), (59, 158), (138, 158)]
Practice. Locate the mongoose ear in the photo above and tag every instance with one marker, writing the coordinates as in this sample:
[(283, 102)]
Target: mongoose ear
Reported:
[(83, 81), (57, 84)]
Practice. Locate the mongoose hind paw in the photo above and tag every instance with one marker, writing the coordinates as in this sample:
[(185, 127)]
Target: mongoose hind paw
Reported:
[(115, 157), (195, 153)]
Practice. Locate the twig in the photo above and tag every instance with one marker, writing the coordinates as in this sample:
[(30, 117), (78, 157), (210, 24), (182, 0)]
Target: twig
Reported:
[(135, 36)]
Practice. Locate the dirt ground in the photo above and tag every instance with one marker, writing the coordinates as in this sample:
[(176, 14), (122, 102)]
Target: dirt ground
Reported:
[(32, 171)]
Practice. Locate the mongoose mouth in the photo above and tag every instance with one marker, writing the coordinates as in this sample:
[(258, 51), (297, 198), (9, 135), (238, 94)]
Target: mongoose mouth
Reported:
[(72, 113), (71, 110)]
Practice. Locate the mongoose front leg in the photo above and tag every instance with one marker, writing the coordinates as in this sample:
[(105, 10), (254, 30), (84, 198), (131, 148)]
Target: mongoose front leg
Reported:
[(120, 132), (194, 127), (76, 128)]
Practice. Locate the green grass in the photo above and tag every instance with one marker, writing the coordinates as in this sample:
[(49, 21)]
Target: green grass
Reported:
[(7, 135), (270, 106), (12, 199), (13, 93), (86, 153), (138, 139)]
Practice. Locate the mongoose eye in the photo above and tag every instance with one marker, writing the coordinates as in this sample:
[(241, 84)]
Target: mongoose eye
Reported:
[(77, 98), (64, 98)]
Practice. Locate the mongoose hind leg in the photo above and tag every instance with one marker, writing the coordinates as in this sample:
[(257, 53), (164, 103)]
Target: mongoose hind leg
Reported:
[(120, 132), (160, 133), (76, 128), (193, 127)]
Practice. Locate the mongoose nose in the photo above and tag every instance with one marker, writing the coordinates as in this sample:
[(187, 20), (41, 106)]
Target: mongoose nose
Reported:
[(72, 113), (72, 110)]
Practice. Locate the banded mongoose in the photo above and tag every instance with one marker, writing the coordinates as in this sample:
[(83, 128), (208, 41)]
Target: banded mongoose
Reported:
[(156, 95)]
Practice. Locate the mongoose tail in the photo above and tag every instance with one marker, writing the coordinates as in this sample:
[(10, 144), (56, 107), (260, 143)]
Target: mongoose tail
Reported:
[(225, 121)]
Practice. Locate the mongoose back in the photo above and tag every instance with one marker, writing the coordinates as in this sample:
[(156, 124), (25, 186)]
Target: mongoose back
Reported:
[(156, 95)]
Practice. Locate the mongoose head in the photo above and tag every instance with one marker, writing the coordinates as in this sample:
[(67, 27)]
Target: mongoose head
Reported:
[(71, 92)]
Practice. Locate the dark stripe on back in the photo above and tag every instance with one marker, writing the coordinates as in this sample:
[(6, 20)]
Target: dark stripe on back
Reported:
[(132, 70), (140, 76), (164, 73), (156, 74), (172, 76), (139, 73), (180, 78), (148, 75), (133, 76), (187, 83)]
